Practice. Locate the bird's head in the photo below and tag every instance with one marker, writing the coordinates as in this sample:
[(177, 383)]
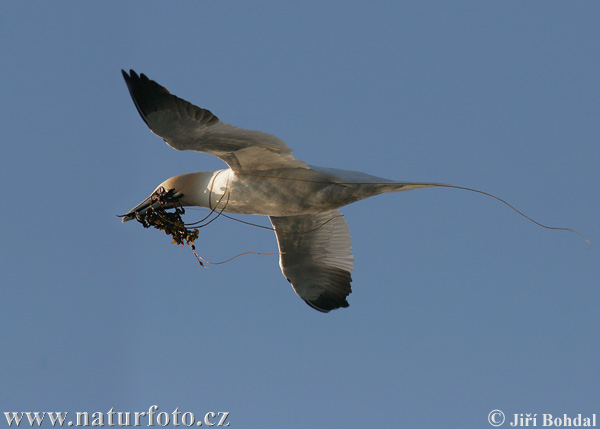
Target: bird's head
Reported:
[(184, 190)]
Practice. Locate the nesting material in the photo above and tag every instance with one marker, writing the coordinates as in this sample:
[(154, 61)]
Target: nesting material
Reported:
[(157, 216)]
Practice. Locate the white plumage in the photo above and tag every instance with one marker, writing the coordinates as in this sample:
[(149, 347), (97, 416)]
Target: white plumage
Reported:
[(264, 178)]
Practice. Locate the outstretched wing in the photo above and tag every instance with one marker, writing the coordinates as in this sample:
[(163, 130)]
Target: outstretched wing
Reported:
[(187, 127), (316, 257)]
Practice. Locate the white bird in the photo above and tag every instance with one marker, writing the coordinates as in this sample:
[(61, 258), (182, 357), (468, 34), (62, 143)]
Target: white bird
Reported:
[(264, 178)]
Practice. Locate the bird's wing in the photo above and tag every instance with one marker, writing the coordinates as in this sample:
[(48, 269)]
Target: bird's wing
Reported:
[(187, 127), (316, 257)]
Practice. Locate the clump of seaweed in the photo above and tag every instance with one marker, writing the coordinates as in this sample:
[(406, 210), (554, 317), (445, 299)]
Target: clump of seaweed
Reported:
[(157, 216), (168, 221)]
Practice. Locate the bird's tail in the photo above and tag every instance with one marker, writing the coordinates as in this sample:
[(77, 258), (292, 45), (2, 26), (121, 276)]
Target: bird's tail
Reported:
[(407, 186)]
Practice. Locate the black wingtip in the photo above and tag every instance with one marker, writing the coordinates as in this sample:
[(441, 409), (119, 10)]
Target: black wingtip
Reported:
[(149, 96), (325, 304), (132, 76), (141, 82), (128, 77)]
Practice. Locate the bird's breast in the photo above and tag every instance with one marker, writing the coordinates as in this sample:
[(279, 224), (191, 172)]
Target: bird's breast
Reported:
[(274, 193)]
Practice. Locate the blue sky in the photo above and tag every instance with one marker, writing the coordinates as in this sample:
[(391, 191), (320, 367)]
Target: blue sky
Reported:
[(459, 305)]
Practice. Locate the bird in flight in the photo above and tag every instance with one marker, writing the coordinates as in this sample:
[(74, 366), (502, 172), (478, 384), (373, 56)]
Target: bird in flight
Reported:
[(263, 178)]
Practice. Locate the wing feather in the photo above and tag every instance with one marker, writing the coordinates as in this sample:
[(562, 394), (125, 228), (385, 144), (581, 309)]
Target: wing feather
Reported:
[(185, 126), (316, 257)]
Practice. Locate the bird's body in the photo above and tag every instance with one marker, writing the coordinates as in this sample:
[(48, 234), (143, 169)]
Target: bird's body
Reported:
[(263, 178), (281, 192)]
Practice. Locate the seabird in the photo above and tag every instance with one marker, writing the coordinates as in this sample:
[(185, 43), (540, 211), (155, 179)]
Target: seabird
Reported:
[(263, 178)]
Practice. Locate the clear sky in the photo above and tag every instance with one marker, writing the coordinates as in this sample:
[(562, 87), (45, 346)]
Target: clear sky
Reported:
[(459, 305)]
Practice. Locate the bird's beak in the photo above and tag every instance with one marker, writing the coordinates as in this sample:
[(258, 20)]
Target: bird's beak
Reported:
[(159, 199), (141, 208)]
